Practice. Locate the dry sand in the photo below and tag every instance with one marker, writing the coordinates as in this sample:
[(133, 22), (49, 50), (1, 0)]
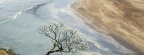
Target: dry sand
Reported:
[(121, 19)]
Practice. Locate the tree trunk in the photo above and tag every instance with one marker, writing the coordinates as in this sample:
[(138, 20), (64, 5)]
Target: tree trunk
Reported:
[(48, 53)]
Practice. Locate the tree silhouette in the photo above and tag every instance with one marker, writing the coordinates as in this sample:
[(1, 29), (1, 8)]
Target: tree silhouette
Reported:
[(64, 39)]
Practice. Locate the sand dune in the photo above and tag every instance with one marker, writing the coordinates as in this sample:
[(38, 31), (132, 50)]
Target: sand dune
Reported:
[(121, 19)]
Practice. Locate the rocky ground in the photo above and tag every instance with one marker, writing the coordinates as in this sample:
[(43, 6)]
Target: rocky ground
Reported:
[(3, 52), (6, 52), (121, 19)]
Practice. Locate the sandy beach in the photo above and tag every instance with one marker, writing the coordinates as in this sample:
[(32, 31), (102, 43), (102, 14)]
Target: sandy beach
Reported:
[(20, 21), (123, 20)]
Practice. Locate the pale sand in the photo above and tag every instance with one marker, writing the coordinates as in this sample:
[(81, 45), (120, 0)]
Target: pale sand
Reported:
[(121, 19)]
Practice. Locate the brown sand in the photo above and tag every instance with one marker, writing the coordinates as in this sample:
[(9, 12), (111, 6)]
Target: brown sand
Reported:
[(121, 19)]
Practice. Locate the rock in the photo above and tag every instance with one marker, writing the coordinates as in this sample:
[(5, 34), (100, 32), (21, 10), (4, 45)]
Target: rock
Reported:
[(6, 52)]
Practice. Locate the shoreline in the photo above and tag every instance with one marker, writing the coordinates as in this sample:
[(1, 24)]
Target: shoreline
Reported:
[(122, 29)]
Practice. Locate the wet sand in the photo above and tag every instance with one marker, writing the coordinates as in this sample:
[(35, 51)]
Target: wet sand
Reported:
[(123, 20)]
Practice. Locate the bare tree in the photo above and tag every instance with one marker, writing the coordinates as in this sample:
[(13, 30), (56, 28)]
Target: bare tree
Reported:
[(64, 39)]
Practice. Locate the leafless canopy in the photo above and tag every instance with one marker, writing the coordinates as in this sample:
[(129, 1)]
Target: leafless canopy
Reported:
[(64, 38)]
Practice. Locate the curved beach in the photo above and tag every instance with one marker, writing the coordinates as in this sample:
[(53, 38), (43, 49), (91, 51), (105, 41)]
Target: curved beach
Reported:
[(123, 20)]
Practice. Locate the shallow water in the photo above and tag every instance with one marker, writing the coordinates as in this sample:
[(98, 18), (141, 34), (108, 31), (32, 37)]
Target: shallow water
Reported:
[(19, 20)]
